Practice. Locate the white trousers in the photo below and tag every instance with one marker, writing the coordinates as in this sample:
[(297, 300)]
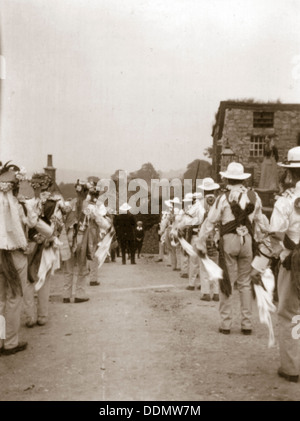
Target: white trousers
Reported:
[(184, 262), (288, 308), (76, 286), (42, 310), (194, 263), (207, 286), (175, 257)]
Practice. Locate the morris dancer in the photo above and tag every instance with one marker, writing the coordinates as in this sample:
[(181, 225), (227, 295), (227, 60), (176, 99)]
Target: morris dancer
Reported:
[(235, 211), (285, 240), (15, 219), (162, 249), (44, 257), (192, 221), (76, 224), (188, 200), (208, 287), (164, 230), (171, 233), (94, 237)]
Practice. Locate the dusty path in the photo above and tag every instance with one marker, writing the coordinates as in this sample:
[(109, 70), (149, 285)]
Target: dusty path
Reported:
[(142, 336)]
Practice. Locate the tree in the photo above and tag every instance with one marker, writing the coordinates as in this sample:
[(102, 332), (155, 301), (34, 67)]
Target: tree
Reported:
[(93, 179), (208, 152), (147, 172), (197, 169), (116, 178)]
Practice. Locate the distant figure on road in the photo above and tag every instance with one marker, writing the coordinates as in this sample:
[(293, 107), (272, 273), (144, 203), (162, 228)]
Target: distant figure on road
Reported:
[(125, 229), (139, 237)]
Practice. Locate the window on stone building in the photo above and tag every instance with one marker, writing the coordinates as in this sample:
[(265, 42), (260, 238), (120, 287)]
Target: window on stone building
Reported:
[(263, 119), (298, 139), (257, 144)]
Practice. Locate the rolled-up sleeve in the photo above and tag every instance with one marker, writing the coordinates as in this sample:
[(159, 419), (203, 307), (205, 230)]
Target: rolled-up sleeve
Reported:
[(213, 217), (280, 216), (32, 214)]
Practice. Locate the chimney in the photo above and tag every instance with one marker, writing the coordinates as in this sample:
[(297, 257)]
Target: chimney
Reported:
[(50, 170)]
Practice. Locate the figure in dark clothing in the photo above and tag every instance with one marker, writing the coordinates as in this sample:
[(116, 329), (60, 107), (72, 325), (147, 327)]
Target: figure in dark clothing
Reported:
[(139, 238), (125, 225), (269, 171)]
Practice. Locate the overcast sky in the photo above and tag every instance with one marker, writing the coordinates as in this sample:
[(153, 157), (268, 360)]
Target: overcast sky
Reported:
[(111, 84)]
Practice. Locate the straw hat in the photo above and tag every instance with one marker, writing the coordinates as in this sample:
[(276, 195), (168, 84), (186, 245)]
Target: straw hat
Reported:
[(168, 203), (208, 184), (125, 207), (235, 171), (188, 197), (41, 180), (9, 173), (293, 159), (197, 195), (176, 201)]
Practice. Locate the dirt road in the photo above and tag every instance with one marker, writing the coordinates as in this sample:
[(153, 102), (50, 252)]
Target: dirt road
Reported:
[(142, 336)]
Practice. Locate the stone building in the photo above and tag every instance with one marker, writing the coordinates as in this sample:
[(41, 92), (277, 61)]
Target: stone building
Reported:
[(240, 130)]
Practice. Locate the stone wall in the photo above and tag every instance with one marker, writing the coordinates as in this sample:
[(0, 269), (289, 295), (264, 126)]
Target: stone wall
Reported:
[(238, 129)]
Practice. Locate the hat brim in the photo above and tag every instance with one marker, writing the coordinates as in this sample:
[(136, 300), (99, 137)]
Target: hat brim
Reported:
[(211, 188), (125, 208), (8, 177), (226, 174), (292, 165)]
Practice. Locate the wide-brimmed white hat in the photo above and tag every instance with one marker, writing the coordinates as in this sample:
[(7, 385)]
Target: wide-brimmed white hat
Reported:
[(235, 171), (197, 195), (188, 197), (208, 184), (176, 201), (168, 203), (293, 159), (125, 207)]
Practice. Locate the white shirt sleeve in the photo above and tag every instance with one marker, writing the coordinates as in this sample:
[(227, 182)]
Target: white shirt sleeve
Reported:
[(213, 217), (280, 215)]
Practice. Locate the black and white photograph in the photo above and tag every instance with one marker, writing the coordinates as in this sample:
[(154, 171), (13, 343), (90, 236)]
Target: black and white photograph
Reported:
[(149, 203)]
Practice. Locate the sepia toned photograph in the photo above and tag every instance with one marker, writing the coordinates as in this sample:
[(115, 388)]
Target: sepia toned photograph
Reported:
[(149, 203)]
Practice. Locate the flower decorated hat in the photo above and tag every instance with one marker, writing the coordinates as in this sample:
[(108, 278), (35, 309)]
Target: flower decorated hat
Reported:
[(41, 180), (12, 235), (10, 176)]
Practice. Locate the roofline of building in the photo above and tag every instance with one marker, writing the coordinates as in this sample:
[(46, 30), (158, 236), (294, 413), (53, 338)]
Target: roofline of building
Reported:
[(265, 106), (262, 105)]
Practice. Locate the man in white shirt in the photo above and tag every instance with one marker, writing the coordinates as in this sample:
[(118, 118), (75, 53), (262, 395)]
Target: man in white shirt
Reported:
[(285, 239), (235, 212)]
